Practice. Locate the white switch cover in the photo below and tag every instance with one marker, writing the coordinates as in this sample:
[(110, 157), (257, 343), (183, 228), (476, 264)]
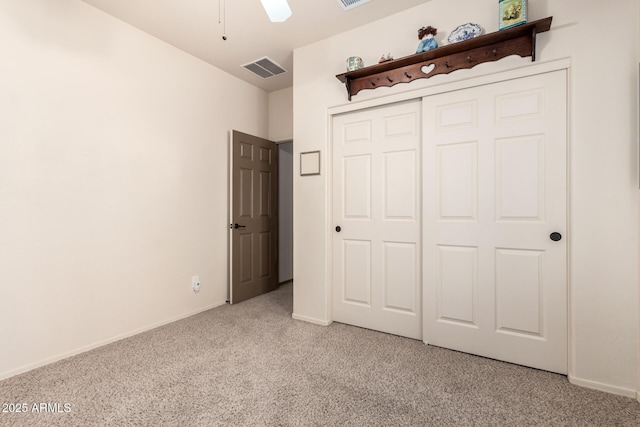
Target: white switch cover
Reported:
[(195, 282)]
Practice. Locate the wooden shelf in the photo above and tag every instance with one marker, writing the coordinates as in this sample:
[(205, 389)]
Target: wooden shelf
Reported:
[(520, 40)]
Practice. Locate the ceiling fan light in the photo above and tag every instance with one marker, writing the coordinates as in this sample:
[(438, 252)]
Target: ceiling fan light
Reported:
[(277, 10)]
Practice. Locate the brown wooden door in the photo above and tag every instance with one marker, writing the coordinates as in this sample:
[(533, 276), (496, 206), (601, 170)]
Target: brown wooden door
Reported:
[(254, 217)]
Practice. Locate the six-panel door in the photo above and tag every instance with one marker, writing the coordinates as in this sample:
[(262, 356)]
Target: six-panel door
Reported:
[(495, 191), (254, 257), (376, 204)]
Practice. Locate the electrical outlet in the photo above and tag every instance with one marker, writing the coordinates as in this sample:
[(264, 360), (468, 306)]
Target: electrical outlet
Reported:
[(195, 282)]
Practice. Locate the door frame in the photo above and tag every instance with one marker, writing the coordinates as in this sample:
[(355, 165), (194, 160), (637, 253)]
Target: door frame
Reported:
[(481, 80)]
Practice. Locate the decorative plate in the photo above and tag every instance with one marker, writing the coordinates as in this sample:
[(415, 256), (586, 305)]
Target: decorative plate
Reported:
[(464, 32)]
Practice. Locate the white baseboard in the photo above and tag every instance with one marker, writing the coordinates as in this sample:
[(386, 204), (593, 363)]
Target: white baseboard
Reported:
[(83, 349), (311, 320), (605, 387)]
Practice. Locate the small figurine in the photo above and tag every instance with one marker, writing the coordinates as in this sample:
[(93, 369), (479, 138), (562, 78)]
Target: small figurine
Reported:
[(385, 57), (426, 34)]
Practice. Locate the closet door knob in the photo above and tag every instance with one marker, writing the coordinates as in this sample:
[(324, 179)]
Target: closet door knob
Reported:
[(338, 229), (555, 236)]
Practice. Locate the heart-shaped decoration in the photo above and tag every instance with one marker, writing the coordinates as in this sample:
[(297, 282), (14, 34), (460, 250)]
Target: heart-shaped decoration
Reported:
[(428, 68)]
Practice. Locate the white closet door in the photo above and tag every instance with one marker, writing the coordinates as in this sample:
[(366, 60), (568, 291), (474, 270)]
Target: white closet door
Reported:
[(376, 205), (495, 176)]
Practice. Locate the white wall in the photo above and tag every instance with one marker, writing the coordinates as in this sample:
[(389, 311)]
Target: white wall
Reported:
[(113, 179), (281, 115), (602, 44)]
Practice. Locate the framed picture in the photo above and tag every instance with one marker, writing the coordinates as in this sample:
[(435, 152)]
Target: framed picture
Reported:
[(310, 163), (512, 13)]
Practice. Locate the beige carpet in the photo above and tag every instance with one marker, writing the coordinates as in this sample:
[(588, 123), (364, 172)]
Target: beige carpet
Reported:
[(251, 364)]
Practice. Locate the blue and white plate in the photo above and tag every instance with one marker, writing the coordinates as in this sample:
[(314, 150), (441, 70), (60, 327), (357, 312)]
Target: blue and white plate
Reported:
[(464, 32)]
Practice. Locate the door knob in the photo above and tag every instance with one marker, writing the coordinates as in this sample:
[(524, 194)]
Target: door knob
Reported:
[(338, 228), (555, 236), (236, 226)]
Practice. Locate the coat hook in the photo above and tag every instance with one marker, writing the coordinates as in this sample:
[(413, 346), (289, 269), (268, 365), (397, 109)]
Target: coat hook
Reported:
[(407, 74), (495, 52), (390, 79), (446, 64), (469, 58), (373, 83)]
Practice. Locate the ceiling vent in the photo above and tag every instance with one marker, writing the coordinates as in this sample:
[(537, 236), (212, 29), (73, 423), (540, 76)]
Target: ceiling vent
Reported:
[(350, 4), (264, 67)]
